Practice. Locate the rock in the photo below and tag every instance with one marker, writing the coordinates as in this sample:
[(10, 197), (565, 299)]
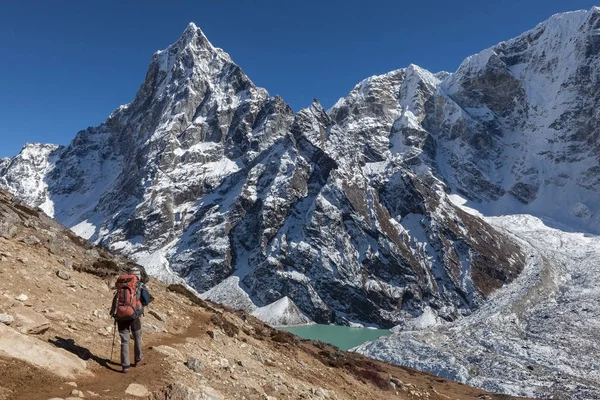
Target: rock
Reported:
[(31, 240), (397, 382), (31, 321), (72, 384), (102, 332), (135, 389), (224, 363), (92, 394), (211, 334), (177, 391), (194, 364), (63, 275), (100, 314), (77, 393), (157, 315), (39, 330), (524, 192), (8, 232), (212, 394), (40, 354), (22, 297), (6, 319), (169, 351), (59, 316)]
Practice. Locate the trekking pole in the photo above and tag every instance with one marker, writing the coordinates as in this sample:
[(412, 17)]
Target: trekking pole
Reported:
[(113, 344)]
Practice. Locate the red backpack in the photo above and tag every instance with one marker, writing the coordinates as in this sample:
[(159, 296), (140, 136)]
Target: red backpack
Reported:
[(126, 302)]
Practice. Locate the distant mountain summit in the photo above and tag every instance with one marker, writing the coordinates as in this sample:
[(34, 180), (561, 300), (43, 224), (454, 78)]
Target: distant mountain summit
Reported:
[(205, 177)]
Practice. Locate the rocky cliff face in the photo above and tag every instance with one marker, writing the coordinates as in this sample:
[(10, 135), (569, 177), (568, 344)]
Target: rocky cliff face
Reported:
[(346, 212)]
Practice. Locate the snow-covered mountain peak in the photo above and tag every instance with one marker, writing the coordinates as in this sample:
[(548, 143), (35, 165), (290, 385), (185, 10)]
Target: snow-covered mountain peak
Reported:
[(192, 37), (470, 66), (422, 74), (316, 106), (24, 175), (35, 147)]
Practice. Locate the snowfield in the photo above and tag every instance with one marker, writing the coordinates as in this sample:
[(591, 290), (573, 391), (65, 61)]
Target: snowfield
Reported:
[(536, 337)]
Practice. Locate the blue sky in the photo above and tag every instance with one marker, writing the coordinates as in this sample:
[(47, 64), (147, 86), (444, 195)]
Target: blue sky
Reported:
[(66, 65)]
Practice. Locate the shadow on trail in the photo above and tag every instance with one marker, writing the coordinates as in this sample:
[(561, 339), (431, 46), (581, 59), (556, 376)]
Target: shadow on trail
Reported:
[(83, 352)]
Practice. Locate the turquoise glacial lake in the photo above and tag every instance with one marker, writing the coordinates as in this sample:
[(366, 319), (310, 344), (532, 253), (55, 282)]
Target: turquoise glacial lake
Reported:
[(343, 337)]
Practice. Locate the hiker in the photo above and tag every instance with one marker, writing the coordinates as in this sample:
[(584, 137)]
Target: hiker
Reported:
[(128, 307)]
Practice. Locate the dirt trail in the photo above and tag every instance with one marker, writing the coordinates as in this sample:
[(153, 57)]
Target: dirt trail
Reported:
[(108, 381)]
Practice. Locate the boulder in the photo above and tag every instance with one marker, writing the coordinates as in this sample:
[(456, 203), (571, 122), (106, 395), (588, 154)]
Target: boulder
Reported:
[(224, 363), (22, 297), (100, 314), (6, 319), (209, 393), (30, 321), (38, 330), (137, 390), (169, 351), (157, 315), (194, 364), (40, 354), (31, 240), (59, 316), (64, 275), (177, 391)]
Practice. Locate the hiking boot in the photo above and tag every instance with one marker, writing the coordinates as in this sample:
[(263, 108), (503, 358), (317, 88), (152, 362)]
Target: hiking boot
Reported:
[(125, 370), (138, 361)]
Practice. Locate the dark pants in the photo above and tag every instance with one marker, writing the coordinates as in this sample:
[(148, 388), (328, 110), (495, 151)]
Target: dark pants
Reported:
[(135, 326)]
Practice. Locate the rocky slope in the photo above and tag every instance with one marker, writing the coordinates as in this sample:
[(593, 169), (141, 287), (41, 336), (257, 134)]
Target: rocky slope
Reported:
[(55, 336), (205, 177)]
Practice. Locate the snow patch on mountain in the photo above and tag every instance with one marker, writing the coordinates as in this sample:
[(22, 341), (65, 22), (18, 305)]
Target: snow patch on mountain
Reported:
[(229, 293), (283, 312)]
